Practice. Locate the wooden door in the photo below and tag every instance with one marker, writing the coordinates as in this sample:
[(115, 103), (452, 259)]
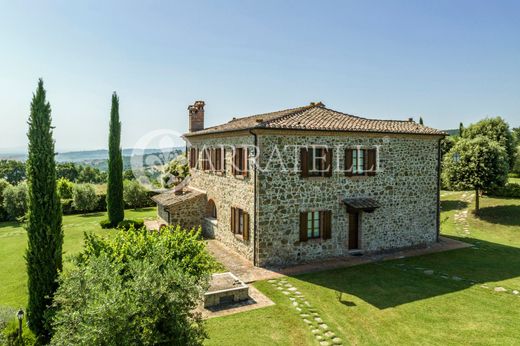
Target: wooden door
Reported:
[(353, 231)]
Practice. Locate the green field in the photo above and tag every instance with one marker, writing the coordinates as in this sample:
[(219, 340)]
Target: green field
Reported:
[(13, 241), (396, 302)]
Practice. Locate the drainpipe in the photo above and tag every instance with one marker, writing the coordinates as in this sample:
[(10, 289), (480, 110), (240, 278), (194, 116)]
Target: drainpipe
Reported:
[(438, 188), (255, 237)]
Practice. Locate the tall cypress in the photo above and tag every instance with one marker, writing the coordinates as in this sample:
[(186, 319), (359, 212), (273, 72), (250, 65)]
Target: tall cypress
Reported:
[(115, 203), (44, 224)]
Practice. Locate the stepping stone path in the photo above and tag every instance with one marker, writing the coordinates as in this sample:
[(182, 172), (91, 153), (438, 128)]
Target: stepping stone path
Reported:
[(308, 314), (445, 276)]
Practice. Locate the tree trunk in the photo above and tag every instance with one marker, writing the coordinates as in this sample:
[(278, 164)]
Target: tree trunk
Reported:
[(477, 201)]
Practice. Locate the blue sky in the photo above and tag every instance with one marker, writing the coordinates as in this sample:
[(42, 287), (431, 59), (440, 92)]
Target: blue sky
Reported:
[(447, 61)]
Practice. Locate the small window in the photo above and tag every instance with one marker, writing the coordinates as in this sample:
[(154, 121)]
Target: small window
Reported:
[(193, 157), (316, 162), (360, 162), (315, 224), (240, 161), (211, 210), (240, 222), (206, 159)]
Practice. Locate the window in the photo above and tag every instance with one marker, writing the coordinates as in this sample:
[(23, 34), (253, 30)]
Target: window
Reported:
[(240, 222), (193, 157), (240, 161), (316, 162), (360, 162), (211, 210), (206, 162), (315, 225), (217, 159)]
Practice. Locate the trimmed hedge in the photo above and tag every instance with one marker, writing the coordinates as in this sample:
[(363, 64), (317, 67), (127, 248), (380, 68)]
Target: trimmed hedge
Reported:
[(509, 190), (68, 208), (124, 225)]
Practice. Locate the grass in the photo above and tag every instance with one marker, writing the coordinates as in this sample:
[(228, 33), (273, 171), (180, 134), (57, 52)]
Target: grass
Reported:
[(396, 302), (13, 242)]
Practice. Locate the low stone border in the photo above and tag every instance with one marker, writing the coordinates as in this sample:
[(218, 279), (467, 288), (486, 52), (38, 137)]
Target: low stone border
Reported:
[(307, 313)]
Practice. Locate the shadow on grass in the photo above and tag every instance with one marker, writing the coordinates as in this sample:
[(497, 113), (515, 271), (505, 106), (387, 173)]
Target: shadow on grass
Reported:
[(97, 214), (393, 283), (453, 205), (503, 214)]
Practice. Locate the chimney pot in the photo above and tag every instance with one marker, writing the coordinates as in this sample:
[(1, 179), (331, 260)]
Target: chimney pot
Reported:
[(196, 114)]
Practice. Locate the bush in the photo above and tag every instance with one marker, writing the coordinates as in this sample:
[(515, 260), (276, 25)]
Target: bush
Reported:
[(84, 198), (65, 188), (9, 329), (127, 224), (149, 283), (106, 224), (3, 213), (15, 200), (134, 194), (511, 190)]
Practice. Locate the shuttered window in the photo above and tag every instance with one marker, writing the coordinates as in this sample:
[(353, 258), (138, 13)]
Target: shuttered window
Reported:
[(240, 222), (360, 162), (240, 162), (206, 159), (316, 162), (193, 157), (315, 224), (217, 159)]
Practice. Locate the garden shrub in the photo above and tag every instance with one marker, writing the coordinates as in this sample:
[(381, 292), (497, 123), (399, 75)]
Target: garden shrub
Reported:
[(65, 188), (105, 224), (3, 213), (511, 190), (127, 224), (134, 194), (15, 200), (136, 288), (84, 197)]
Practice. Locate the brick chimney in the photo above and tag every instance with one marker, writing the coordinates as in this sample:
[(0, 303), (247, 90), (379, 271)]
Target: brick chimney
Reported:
[(196, 112)]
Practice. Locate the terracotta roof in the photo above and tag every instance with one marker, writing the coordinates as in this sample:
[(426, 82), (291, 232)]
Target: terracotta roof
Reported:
[(169, 198), (317, 117)]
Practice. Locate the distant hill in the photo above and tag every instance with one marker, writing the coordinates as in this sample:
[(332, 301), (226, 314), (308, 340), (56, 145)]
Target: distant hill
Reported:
[(99, 158), (454, 132)]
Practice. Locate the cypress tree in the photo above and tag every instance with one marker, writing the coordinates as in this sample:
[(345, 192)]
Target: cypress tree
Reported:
[(421, 121), (461, 129), (115, 203), (44, 224)]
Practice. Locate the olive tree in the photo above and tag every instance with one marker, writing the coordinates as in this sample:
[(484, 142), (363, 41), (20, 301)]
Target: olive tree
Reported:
[(84, 197), (134, 194), (476, 164)]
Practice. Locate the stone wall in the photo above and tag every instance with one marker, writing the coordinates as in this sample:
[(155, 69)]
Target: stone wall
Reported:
[(406, 188), (227, 191), (188, 214)]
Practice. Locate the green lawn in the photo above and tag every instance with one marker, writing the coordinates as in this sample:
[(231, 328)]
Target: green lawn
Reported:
[(514, 180), (396, 302), (13, 242)]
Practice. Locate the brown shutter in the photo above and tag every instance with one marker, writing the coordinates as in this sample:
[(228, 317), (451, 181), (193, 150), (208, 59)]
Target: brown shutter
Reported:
[(326, 224), (371, 162), (304, 162), (233, 219), (348, 162), (303, 226), (365, 161), (196, 158), (245, 234), (223, 160), (234, 166), (245, 162), (328, 162)]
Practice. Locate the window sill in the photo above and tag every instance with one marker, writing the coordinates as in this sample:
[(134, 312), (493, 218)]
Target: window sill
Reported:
[(314, 241), (240, 177)]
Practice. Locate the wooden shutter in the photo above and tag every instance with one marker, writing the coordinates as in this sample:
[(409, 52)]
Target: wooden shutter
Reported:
[(245, 234), (245, 160), (326, 224), (365, 161), (328, 162), (348, 162), (371, 162), (303, 226), (223, 160), (304, 162), (235, 161), (233, 219)]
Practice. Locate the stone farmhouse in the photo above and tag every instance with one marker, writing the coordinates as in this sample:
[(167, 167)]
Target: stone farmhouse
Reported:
[(309, 183)]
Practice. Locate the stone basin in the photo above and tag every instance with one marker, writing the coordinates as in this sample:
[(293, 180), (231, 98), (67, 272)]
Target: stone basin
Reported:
[(225, 288)]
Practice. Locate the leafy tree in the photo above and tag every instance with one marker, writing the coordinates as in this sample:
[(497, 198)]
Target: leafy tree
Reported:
[(421, 121), (44, 219), (176, 171), (496, 129), (3, 185), (115, 202), (92, 175), (477, 164), (15, 200), (68, 170), (128, 175), (149, 283), (84, 197), (12, 170), (134, 194), (65, 188), (446, 144)]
